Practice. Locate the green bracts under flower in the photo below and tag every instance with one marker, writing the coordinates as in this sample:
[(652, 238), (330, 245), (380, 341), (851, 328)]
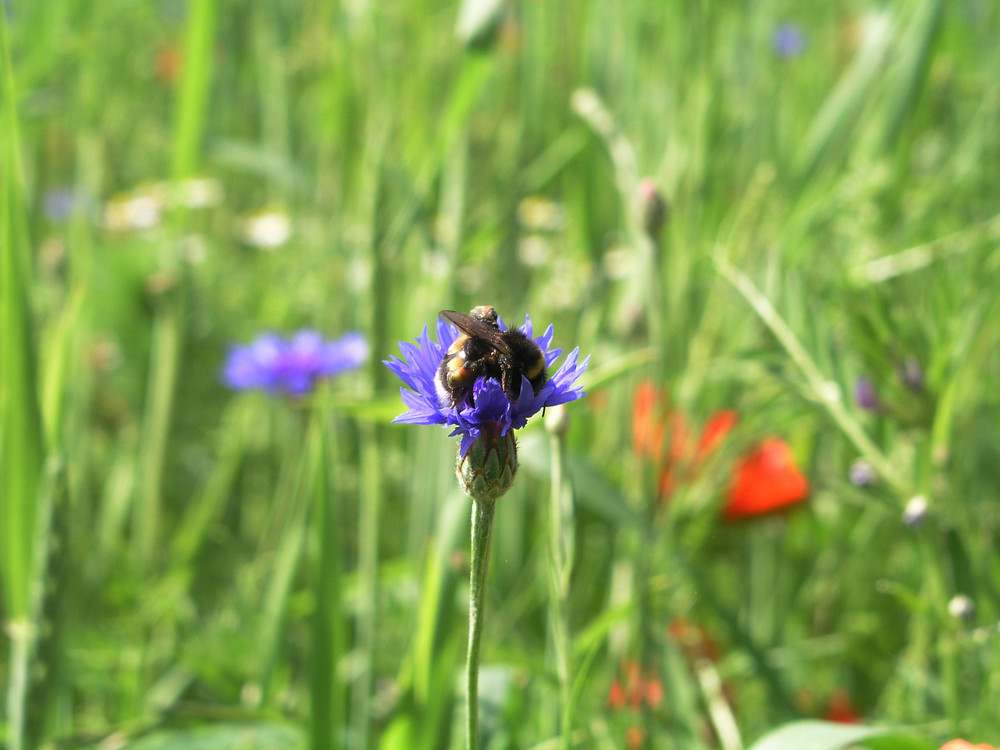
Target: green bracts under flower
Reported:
[(488, 469)]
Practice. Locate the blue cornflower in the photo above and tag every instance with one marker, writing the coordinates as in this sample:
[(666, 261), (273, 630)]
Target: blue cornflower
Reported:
[(59, 204), (292, 365), (489, 408), (788, 40)]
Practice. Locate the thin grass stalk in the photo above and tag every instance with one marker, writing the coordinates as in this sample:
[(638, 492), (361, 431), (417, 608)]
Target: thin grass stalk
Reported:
[(326, 715), (824, 390), (561, 547), (23, 526), (168, 326), (482, 537), (292, 497), (591, 109), (193, 91), (165, 347), (368, 569)]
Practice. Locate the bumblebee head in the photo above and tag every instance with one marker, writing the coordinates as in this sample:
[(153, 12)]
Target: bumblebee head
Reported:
[(485, 313)]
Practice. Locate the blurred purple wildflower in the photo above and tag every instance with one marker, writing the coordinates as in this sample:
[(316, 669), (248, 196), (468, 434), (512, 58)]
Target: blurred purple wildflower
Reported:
[(788, 40), (419, 366), (861, 473), (864, 394), (292, 365), (59, 204), (913, 375)]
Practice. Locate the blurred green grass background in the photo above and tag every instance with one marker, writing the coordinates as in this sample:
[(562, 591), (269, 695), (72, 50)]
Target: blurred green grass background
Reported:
[(182, 564)]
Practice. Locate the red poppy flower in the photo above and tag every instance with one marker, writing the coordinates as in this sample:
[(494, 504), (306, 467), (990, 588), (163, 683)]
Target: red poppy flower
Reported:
[(840, 708), (639, 688), (683, 457), (647, 428), (963, 745), (767, 480), (617, 697)]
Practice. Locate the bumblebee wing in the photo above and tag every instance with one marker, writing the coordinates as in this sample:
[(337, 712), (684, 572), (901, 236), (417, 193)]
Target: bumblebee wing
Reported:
[(477, 328)]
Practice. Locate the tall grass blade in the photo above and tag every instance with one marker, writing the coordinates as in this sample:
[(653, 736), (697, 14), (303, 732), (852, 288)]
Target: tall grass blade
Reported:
[(21, 447)]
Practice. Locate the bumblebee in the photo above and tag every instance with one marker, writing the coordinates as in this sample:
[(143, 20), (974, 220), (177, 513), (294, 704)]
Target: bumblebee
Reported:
[(482, 350)]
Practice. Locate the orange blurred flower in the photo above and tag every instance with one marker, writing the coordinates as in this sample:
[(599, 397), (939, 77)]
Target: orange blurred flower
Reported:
[(767, 480), (694, 641), (639, 688), (634, 737), (168, 64), (963, 745), (651, 424), (840, 708)]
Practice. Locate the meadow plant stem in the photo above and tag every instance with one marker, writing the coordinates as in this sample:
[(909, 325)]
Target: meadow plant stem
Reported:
[(23, 528), (482, 537), (560, 570), (368, 569), (325, 691), (824, 390)]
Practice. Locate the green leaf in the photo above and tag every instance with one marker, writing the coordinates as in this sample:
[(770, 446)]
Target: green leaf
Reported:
[(224, 737), (825, 735)]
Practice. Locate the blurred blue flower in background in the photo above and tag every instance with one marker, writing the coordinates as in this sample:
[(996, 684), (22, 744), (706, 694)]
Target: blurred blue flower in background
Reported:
[(862, 473), (865, 394), (292, 365), (488, 405), (788, 40), (59, 204)]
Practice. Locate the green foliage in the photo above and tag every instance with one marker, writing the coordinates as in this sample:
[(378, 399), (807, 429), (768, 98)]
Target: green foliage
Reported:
[(821, 735), (182, 565)]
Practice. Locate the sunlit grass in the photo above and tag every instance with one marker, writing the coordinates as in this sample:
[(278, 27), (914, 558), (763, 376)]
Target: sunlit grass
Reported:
[(174, 554)]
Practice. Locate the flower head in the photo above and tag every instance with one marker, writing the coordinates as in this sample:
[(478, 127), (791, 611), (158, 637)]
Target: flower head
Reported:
[(963, 745), (865, 394), (488, 409), (59, 204), (915, 511), (292, 365), (862, 473), (767, 480), (788, 40), (840, 708), (686, 451)]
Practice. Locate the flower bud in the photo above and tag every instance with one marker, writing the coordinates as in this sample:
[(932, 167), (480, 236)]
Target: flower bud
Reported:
[(865, 395), (862, 474), (913, 375), (488, 468), (961, 607), (915, 511), (652, 208)]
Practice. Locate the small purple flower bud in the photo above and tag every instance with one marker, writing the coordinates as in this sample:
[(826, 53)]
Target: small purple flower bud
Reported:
[(861, 473), (788, 40), (915, 511), (913, 375), (653, 210), (864, 394)]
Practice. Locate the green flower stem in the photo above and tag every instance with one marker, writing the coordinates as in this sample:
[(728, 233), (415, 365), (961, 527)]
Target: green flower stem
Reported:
[(482, 536), (326, 715), (560, 569)]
